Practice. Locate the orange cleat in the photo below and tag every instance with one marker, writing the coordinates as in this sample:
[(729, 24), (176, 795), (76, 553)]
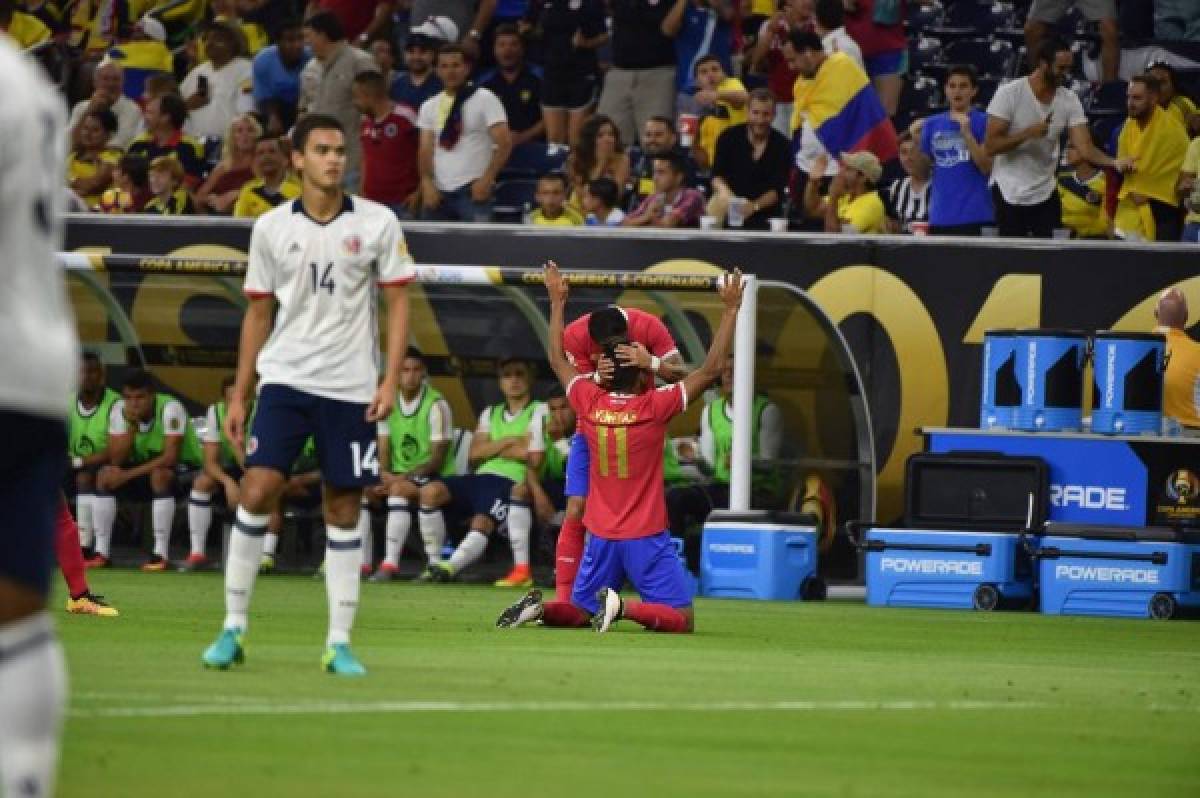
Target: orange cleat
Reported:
[(155, 563), (97, 561), (519, 576)]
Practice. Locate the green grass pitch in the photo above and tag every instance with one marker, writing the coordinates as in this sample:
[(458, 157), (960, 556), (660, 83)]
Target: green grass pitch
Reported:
[(766, 699)]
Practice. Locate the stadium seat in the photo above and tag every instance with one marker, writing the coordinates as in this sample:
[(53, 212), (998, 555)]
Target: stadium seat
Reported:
[(512, 199), (1109, 97), (990, 57), (922, 18), (924, 51), (966, 17), (1002, 16), (919, 97)]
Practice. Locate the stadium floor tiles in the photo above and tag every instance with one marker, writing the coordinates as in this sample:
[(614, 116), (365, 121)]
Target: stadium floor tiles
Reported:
[(766, 699)]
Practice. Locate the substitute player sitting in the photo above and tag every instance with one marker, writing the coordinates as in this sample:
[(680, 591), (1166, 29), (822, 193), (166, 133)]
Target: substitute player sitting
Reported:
[(646, 344), (87, 443), (508, 440), (151, 442), (413, 443), (626, 428), (311, 331)]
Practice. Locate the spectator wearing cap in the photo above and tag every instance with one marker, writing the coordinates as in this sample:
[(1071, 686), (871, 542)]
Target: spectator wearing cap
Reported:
[(325, 84), (852, 205), (906, 200), (672, 204), (92, 159), (106, 96), (1147, 203), (389, 142), (143, 54), (219, 89), (702, 29), (751, 164), (470, 17), (169, 197), (1189, 192), (464, 144), (641, 82), (877, 26), (1026, 120), (272, 184), (276, 75), (361, 19), (518, 85), (164, 117), (25, 30), (1045, 14), (768, 56), (960, 202), (420, 82), (571, 32), (1179, 106)]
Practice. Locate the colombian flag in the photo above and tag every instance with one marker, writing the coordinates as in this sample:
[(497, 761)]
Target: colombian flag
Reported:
[(844, 110), (141, 59)]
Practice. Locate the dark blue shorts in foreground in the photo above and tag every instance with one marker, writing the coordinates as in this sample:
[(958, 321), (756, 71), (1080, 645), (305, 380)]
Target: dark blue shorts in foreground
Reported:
[(33, 460), (479, 494), (578, 463), (345, 439), (652, 564)]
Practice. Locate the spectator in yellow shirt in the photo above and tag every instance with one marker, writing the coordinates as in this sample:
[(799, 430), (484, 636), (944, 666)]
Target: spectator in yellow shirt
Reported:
[(553, 210), (1189, 192), (91, 162), (1177, 105), (272, 185), (721, 103), (1148, 207), (1081, 190), (853, 204), (166, 184), (24, 29), (1181, 383)]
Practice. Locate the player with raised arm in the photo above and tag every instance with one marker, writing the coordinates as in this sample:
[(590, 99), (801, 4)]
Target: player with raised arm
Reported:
[(646, 344), (39, 364), (311, 332), (626, 428)]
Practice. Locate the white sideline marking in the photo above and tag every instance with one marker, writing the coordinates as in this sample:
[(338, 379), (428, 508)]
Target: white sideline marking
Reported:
[(403, 707)]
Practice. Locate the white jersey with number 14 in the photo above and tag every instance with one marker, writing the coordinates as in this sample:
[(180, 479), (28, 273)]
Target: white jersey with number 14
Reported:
[(323, 277)]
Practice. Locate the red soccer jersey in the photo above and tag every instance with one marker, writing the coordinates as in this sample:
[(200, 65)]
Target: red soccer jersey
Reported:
[(389, 149), (625, 436), (644, 328)]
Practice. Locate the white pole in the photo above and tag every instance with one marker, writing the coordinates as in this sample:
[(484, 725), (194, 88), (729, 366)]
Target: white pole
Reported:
[(744, 341)]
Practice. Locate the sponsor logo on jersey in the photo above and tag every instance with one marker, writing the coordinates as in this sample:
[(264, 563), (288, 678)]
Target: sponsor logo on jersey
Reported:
[(909, 565), (1100, 573)]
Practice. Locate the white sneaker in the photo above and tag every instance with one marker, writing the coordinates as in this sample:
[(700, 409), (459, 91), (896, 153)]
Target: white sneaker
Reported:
[(610, 610)]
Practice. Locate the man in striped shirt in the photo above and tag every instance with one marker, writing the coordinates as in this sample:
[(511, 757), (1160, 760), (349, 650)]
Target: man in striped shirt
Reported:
[(907, 199)]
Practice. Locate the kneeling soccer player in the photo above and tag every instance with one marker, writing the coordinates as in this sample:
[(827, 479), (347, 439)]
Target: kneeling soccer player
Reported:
[(626, 511)]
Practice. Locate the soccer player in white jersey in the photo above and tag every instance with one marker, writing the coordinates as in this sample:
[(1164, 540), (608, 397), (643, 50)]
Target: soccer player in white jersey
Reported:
[(39, 365), (314, 266)]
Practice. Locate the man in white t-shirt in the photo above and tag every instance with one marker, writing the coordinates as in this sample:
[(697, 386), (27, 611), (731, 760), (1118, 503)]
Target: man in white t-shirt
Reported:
[(1026, 121), (465, 142), (831, 18), (107, 82), (311, 331), (220, 88)]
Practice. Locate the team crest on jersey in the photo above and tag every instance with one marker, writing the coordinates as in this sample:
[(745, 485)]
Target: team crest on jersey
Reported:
[(352, 244), (252, 445)]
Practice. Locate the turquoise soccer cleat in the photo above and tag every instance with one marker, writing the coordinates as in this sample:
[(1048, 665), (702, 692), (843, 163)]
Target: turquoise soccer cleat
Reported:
[(340, 661), (225, 651)]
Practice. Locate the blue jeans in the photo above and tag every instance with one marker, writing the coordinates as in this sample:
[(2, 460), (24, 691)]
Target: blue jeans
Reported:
[(1191, 232), (457, 206)]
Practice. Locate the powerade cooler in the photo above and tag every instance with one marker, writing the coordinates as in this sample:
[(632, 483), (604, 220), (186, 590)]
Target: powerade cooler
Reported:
[(961, 548), (760, 555), (1126, 572)]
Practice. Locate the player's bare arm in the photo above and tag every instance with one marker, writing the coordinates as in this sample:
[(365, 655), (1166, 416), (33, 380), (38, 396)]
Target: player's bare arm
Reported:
[(670, 368), (484, 447), (557, 287), (730, 289), (396, 297), (212, 465), (437, 458), (256, 328)]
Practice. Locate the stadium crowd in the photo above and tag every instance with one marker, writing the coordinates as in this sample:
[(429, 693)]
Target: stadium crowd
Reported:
[(913, 117)]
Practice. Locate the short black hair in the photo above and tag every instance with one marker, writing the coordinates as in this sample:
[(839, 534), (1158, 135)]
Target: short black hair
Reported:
[(290, 24), (625, 376), (830, 14), (327, 24), (802, 40), (556, 176), (138, 380), (507, 29), (455, 49), (174, 107), (605, 190), (708, 59), (607, 324), (372, 80), (964, 70), (510, 359), (106, 118), (310, 122), (674, 161), (386, 40), (136, 168), (1152, 83), (666, 121)]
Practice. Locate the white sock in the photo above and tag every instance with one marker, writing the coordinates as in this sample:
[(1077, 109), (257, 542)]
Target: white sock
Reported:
[(270, 543), (469, 551), (162, 515), (342, 560), (104, 515), (433, 532), (364, 534), (33, 691), (241, 566), (399, 521), (83, 519), (520, 525), (199, 520)]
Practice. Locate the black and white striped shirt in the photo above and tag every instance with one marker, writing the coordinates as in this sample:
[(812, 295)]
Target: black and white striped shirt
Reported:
[(905, 204)]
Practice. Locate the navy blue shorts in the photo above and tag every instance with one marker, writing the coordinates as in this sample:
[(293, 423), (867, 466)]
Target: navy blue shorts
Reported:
[(652, 564), (33, 460), (345, 439), (479, 494), (578, 463)]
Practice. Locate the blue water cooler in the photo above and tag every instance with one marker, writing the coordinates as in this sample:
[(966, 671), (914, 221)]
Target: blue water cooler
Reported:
[(1000, 395), (1128, 384), (760, 555), (1049, 367)]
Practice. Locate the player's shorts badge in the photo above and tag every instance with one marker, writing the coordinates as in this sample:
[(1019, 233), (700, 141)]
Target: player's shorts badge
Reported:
[(352, 244), (252, 445)]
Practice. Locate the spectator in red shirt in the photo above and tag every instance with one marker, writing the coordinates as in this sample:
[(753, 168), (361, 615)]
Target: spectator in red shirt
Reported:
[(361, 19), (879, 31), (389, 144), (672, 204), (768, 56)]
